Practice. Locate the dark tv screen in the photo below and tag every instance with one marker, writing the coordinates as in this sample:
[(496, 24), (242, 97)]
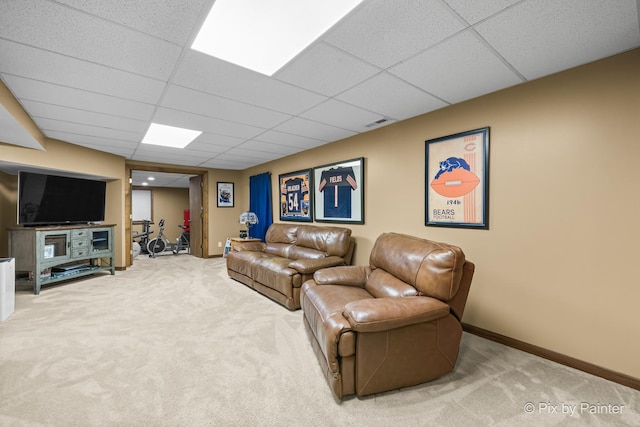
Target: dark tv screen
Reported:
[(45, 199)]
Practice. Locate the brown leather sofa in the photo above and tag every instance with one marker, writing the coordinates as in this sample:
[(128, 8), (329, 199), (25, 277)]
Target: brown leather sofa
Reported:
[(290, 255), (392, 324)]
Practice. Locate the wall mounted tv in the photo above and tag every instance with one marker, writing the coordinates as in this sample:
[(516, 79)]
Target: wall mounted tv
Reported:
[(45, 199)]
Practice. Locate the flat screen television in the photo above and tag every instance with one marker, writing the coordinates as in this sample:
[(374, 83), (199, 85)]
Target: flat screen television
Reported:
[(45, 199)]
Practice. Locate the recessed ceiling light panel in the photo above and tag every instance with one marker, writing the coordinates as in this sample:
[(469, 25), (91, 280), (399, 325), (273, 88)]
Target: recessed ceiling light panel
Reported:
[(169, 136), (263, 35)]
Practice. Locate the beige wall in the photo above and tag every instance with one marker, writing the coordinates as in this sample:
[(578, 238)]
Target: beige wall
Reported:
[(557, 267), (223, 222)]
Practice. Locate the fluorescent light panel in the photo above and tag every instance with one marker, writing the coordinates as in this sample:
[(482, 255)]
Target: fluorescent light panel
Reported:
[(263, 35), (169, 136)]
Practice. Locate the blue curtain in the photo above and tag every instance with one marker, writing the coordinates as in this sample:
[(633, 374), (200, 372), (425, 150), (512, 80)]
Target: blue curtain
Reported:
[(260, 203)]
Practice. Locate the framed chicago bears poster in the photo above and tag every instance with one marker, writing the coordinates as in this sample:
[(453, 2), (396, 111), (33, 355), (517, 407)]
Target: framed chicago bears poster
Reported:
[(296, 191), (457, 180), (339, 192)]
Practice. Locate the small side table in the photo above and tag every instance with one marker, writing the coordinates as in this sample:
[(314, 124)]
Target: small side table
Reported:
[(235, 240)]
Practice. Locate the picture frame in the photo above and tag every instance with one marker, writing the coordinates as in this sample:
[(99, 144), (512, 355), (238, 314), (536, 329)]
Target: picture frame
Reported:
[(296, 196), (339, 192), (457, 180), (225, 195), (49, 251)]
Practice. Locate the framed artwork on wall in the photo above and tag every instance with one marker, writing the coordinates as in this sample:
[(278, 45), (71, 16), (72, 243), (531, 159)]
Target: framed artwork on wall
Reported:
[(457, 180), (296, 202), (225, 194), (339, 192)]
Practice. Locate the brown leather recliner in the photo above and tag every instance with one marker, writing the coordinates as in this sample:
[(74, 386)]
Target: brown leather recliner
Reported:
[(392, 324)]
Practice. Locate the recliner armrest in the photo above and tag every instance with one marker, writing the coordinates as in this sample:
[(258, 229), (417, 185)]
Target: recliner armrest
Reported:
[(348, 275), (311, 265), (382, 314)]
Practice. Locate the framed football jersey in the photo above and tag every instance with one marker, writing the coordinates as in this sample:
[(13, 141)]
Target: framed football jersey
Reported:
[(296, 202), (339, 192)]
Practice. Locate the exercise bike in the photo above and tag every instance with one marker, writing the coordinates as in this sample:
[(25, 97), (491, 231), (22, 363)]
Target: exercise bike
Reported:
[(141, 245), (183, 241), (161, 243)]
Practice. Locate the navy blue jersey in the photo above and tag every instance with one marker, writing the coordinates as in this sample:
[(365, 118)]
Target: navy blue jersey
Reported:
[(294, 190), (337, 185)]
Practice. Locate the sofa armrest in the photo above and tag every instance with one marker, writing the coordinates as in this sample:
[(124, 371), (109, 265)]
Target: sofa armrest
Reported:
[(348, 275), (311, 265), (382, 314), (249, 246)]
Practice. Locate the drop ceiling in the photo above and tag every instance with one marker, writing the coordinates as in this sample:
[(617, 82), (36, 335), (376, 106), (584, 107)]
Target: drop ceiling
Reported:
[(97, 73)]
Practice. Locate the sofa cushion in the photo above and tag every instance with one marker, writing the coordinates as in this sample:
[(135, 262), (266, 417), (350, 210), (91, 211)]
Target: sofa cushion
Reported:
[(330, 240), (281, 233), (274, 271), (435, 269), (298, 252), (278, 249), (242, 261)]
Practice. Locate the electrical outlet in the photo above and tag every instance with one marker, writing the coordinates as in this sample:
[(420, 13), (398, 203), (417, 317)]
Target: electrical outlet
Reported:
[(219, 244)]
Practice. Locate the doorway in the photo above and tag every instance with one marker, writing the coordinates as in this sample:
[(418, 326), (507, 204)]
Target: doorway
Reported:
[(198, 206)]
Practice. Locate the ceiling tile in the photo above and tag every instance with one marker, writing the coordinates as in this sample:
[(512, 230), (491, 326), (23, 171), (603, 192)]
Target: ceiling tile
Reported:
[(475, 11), (114, 146), (327, 70), (289, 140), (202, 123), (251, 154), (226, 164), (157, 158), (236, 157), (268, 147), (169, 153), (42, 65), (386, 32), (312, 129), (184, 99), (48, 125), (215, 144), (341, 115), (57, 28), (217, 77), (547, 36), (72, 115), (33, 90), (391, 97), (118, 151), (460, 68), (167, 19)]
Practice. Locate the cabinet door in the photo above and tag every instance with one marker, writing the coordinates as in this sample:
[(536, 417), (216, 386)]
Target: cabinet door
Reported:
[(54, 246), (101, 241)]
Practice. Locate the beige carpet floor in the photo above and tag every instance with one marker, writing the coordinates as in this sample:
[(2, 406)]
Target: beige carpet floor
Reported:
[(172, 341)]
